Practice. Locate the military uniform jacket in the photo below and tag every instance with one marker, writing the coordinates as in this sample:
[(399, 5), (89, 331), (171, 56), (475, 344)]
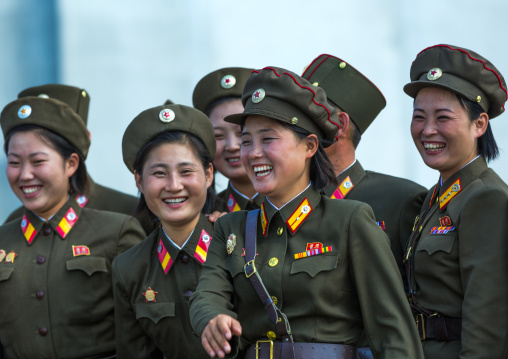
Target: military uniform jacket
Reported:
[(460, 262), (56, 298), (395, 201), (158, 321), (230, 201), (331, 297), (104, 199)]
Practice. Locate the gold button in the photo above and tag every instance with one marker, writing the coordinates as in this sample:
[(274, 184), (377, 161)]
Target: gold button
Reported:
[(342, 65), (271, 335), (294, 120), (83, 93), (315, 84), (273, 262), (280, 230), (275, 300), (478, 99)]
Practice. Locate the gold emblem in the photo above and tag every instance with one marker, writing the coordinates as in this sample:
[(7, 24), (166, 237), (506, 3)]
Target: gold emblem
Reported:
[(231, 243), (275, 300), (434, 74), (273, 262), (271, 335), (2, 255), (10, 257), (83, 93), (342, 65), (478, 99), (315, 84), (280, 230), (294, 120), (150, 295)]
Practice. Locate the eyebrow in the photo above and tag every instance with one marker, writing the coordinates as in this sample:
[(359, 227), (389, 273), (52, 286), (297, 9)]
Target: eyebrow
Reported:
[(264, 130), (30, 155), (437, 110), (164, 165)]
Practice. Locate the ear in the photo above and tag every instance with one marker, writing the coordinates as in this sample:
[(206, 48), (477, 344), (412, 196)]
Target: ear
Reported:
[(139, 182), (71, 165), (209, 176), (312, 144), (343, 124), (480, 125)]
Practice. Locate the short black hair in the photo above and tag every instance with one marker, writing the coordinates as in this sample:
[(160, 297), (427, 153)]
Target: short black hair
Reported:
[(174, 137), (487, 146), (79, 182)]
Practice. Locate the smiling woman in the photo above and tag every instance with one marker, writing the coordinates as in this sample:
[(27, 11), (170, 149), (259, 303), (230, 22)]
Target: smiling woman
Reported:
[(457, 253), (169, 149), (55, 261), (321, 268)]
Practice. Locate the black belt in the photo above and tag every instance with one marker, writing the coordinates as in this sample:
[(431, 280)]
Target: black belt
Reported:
[(438, 328), (267, 349)]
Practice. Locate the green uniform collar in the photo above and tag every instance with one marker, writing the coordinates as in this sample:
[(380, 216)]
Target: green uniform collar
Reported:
[(356, 173)]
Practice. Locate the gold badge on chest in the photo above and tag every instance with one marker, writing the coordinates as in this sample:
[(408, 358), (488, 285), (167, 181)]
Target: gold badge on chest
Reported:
[(231, 243), (150, 295)]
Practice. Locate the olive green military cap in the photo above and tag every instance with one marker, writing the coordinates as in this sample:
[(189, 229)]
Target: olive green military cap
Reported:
[(347, 88), (226, 82), (50, 114), (284, 96), (462, 71), (77, 98), (165, 118)]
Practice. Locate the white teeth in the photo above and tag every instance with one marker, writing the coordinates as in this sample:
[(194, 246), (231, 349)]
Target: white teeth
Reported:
[(261, 171), (236, 159), (174, 200), (433, 146), (29, 190)]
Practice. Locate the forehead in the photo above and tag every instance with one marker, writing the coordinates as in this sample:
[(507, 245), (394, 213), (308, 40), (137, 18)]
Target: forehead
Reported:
[(254, 124), (172, 154), (436, 96), (223, 109), (28, 141)]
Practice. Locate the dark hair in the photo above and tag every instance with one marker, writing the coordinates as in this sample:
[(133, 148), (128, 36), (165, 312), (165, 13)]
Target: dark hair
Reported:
[(354, 131), (79, 180), (487, 146), (180, 137), (219, 101)]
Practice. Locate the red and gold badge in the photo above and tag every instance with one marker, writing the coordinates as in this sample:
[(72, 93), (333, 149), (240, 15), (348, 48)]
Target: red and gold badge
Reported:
[(2, 254), (10, 257), (150, 295)]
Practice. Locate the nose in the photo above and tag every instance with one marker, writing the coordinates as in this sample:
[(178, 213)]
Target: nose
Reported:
[(26, 173), (429, 128), (174, 183), (233, 142), (255, 150)]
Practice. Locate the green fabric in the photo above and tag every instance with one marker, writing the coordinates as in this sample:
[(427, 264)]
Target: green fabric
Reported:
[(148, 124), (462, 274), (212, 87), (347, 88), (161, 326), (78, 99), (329, 298), (77, 306), (396, 201), (464, 72)]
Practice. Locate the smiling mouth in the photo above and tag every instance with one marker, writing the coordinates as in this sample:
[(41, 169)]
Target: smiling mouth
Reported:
[(261, 171), (233, 159), (433, 147), (175, 200), (31, 189)]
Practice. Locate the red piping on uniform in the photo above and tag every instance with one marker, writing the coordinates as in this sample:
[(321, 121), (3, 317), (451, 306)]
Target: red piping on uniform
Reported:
[(303, 87), (472, 58), (312, 63)]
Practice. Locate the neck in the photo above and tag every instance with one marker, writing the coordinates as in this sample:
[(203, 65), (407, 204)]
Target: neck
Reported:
[(341, 155), (180, 232), (245, 187)]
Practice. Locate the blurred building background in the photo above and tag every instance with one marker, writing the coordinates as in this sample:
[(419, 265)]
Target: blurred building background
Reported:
[(131, 55)]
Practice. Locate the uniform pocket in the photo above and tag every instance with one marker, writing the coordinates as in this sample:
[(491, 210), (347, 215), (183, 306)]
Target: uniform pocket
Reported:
[(437, 242), (315, 264), (5, 273), (89, 265), (155, 311)]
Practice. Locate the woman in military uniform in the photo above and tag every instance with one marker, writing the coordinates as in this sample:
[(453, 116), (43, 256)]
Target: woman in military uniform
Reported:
[(56, 298), (169, 149), (321, 268), (218, 95), (457, 253)]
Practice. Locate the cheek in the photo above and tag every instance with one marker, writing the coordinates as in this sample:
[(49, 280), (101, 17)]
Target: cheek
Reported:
[(12, 174)]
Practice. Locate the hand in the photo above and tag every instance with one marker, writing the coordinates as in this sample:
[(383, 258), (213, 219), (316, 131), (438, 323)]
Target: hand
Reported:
[(215, 216), (217, 333)]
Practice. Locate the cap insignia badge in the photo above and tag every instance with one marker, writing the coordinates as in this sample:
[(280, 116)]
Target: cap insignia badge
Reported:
[(150, 295), (231, 243), (24, 111), (167, 115), (434, 74), (228, 81), (258, 95)]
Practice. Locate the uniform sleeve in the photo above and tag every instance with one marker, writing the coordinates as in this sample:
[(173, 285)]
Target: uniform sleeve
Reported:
[(131, 340), (483, 253), (215, 289), (131, 233), (387, 318)]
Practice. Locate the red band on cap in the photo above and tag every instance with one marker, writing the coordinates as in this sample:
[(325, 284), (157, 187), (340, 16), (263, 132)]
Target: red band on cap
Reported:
[(472, 58), (312, 63), (307, 88)]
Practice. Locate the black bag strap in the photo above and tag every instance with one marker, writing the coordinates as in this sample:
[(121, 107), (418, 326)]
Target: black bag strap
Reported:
[(276, 316)]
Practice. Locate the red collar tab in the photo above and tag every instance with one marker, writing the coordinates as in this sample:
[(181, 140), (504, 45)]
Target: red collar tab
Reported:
[(343, 189), (264, 220), (299, 215), (202, 247), (164, 257), (28, 229), (67, 222), (449, 194), (232, 204)]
